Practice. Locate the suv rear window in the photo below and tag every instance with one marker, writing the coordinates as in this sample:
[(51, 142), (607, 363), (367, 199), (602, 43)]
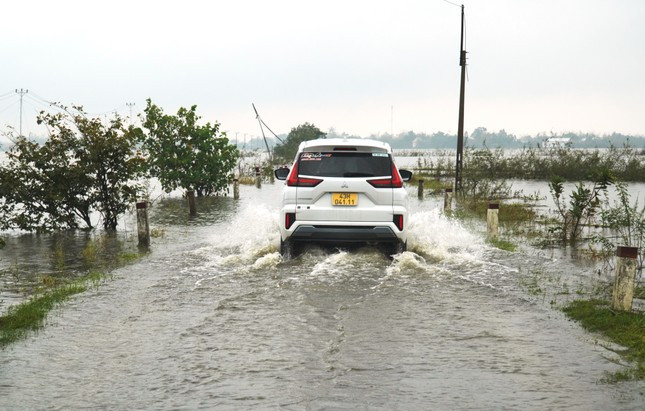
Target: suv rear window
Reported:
[(345, 164)]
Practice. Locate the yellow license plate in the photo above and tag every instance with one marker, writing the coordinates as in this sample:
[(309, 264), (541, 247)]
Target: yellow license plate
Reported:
[(344, 199)]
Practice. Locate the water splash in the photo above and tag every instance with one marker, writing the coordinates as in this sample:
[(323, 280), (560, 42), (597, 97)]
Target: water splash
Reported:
[(252, 235), (436, 238), (267, 261), (333, 265)]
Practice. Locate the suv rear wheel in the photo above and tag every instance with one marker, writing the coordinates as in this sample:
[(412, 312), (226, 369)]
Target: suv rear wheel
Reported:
[(289, 249)]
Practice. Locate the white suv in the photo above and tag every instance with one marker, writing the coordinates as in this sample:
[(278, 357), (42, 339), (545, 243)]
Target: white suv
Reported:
[(343, 192)]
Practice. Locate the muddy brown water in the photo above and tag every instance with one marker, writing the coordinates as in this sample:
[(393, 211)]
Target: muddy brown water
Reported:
[(213, 318)]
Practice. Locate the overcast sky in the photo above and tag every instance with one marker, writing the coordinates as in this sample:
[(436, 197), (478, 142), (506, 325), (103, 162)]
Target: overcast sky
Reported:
[(361, 67)]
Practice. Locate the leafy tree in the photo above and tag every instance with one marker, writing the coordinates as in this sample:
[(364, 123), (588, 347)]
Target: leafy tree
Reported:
[(183, 154), (84, 166), (43, 188), (287, 151), (108, 155)]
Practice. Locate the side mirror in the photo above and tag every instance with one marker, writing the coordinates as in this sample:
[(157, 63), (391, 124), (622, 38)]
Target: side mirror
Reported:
[(405, 175), (281, 173)]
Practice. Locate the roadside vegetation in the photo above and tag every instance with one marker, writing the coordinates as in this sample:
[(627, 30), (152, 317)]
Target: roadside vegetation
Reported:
[(89, 172), (624, 163), (90, 166), (624, 328), (583, 219)]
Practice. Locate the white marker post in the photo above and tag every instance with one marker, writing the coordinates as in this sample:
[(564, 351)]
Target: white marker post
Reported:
[(143, 229), (447, 200), (236, 189), (493, 220), (258, 177), (623, 294)]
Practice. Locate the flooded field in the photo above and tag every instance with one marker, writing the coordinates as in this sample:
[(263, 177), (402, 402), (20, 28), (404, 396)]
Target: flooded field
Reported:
[(213, 318)]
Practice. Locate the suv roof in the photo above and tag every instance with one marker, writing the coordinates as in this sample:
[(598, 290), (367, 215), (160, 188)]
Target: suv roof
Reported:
[(329, 144)]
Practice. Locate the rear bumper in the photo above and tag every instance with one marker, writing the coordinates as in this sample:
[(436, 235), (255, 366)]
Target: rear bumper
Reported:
[(344, 234)]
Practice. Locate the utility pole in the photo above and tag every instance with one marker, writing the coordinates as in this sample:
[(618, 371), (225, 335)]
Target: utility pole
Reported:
[(460, 128), (21, 93), (392, 120), (130, 105)]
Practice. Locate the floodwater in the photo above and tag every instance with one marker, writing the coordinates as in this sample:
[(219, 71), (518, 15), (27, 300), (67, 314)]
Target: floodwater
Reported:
[(213, 318)]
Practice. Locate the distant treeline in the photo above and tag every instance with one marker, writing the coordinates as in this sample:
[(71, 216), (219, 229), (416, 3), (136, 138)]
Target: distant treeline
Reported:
[(479, 138)]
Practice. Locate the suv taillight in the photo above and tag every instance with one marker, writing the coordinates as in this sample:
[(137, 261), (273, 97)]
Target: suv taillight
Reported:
[(294, 180), (289, 219), (398, 221), (394, 182)]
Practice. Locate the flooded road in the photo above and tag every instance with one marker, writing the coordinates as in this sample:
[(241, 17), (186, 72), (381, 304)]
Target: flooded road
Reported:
[(214, 319)]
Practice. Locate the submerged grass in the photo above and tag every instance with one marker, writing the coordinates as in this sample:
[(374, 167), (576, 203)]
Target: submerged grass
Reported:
[(508, 212), (430, 183), (624, 328), (502, 244), (31, 314)]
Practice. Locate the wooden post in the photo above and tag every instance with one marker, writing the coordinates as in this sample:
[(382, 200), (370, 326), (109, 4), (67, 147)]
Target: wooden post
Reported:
[(191, 202), (258, 178), (236, 189), (447, 200), (143, 228), (493, 220), (420, 191), (623, 294)]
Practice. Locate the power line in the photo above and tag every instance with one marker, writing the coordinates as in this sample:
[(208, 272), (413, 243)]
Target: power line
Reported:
[(9, 106), (454, 4), (8, 96)]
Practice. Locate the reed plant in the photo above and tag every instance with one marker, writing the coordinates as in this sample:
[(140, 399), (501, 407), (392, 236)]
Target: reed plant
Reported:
[(626, 224), (572, 164)]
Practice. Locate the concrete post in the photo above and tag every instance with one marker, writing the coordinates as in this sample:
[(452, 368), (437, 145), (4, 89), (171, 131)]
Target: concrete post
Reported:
[(143, 228), (493, 220), (420, 191), (258, 177), (236, 189), (447, 200), (191, 202), (623, 294)]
